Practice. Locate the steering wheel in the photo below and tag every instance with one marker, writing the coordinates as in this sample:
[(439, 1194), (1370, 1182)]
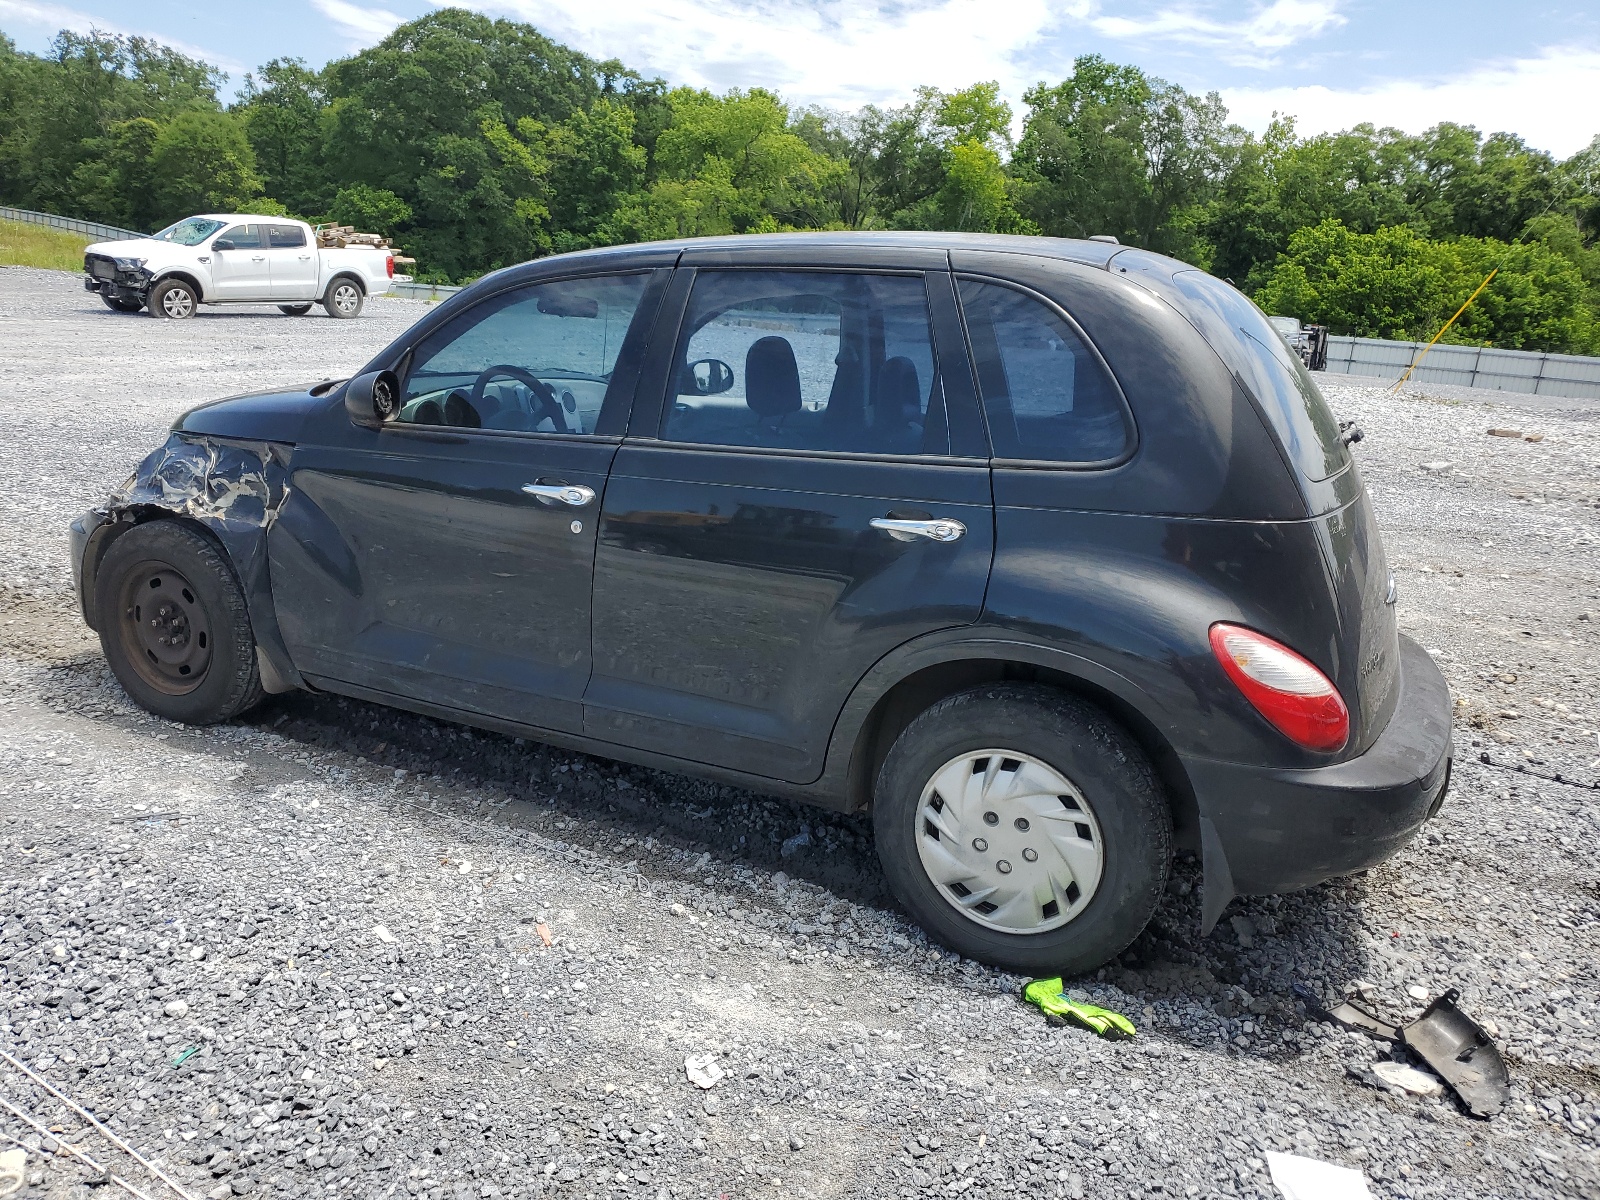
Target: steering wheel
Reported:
[(549, 406)]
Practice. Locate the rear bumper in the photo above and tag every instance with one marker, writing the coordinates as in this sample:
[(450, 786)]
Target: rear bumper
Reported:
[(1281, 830)]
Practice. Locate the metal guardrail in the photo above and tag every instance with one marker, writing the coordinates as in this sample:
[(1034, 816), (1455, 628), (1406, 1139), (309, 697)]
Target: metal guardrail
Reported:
[(104, 233), (1568, 375), (422, 291)]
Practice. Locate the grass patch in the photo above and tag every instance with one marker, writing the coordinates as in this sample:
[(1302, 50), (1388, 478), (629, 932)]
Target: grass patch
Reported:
[(23, 245)]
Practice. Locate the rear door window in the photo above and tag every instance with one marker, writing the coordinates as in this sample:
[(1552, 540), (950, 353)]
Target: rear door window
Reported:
[(284, 236), (1047, 394), (1252, 349), (809, 360)]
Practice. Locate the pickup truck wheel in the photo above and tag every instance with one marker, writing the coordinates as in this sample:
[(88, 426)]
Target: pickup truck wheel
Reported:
[(173, 299), (174, 625), (1022, 827), (294, 310), (343, 299)]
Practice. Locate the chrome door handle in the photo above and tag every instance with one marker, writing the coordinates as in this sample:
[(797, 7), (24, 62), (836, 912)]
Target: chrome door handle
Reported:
[(305, 258), (575, 494), (259, 258), (940, 529)]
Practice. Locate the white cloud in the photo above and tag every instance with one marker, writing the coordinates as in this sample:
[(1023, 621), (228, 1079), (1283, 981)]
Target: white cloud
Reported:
[(842, 53), (362, 26), (1540, 98), (54, 17), (1246, 40)]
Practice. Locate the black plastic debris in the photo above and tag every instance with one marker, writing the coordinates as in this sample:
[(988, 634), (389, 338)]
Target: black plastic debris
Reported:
[(1445, 1038), (1458, 1049)]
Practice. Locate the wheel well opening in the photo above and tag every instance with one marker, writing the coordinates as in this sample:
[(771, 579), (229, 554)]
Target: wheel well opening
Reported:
[(914, 694), (349, 278), (129, 519), (182, 277)]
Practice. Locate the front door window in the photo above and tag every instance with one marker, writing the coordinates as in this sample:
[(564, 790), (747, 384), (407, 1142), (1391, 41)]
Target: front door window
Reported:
[(535, 360)]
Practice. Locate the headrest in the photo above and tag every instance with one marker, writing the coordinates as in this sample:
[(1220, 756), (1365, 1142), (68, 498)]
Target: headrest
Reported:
[(771, 378), (899, 395)]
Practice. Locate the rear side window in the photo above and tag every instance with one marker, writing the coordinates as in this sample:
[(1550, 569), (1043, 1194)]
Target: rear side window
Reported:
[(279, 236), (809, 360), (1047, 395), (1251, 348)]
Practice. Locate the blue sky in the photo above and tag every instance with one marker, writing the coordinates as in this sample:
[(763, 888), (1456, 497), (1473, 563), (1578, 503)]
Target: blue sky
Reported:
[(1531, 68)]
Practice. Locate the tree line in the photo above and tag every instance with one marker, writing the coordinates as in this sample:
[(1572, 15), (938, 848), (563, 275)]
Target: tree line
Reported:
[(477, 143)]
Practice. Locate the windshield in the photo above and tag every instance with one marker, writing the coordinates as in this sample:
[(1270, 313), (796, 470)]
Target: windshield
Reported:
[(190, 231)]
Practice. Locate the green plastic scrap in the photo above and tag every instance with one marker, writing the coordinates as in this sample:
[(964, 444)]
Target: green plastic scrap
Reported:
[(185, 1055), (1051, 997)]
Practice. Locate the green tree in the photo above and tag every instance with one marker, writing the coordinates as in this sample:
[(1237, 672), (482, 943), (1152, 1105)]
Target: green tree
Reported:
[(370, 209), (202, 162), (283, 107), (117, 179), (1395, 283)]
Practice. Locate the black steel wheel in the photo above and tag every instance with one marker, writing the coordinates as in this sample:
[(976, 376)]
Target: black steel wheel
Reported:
[(174, 626)]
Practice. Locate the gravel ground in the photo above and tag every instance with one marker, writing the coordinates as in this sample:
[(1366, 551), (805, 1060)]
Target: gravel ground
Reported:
[(301, 955)]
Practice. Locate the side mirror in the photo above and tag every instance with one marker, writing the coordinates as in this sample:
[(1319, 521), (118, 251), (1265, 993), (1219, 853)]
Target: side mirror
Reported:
[(373, 398), (222, 244), (706, 377)]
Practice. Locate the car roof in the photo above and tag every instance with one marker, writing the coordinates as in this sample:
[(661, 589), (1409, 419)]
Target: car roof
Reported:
[(282, 220), (1084, 251)]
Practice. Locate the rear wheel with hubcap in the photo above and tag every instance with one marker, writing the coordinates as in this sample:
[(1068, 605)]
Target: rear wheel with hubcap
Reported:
[(1024, 828), (174, 626), (343, 298)]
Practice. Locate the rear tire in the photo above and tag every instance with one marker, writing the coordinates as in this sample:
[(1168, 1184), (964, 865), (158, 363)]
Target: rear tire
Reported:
[(174, 300), (174, 625), (1047, 778), (344, 298), (294, 310)]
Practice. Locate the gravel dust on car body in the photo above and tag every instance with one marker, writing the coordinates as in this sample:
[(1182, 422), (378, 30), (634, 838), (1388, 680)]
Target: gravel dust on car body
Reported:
[(301, 955)]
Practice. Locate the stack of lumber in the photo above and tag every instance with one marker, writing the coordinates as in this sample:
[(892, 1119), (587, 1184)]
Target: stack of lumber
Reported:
[(337, 237)]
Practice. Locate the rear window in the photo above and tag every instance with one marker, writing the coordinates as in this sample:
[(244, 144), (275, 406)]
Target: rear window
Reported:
[(285, 235), (1247, 343)]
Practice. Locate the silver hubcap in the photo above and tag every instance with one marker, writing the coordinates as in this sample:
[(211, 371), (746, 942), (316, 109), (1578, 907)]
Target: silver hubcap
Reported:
[(1009, 841), (177, 303), (344, 298)]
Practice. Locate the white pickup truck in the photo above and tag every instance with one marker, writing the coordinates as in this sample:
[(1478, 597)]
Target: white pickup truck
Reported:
[(235, 258)]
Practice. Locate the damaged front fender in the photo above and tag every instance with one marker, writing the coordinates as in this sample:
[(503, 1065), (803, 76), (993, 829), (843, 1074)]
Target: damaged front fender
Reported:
[(232, 489)]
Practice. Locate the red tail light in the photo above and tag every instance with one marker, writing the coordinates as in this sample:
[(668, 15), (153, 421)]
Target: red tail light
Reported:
[(388, 261), (1288, 691)]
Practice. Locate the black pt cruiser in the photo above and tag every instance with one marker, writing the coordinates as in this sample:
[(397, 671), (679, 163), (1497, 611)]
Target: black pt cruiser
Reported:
[(1049, 553)]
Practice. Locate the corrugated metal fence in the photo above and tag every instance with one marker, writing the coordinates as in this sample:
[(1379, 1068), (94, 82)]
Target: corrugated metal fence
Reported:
[(1536, 374), (105, 233)]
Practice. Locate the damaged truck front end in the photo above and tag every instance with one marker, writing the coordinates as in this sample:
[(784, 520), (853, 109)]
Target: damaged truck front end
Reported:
[(122, 282)]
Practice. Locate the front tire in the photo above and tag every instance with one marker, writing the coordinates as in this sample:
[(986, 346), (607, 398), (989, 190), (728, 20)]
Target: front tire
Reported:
[(174, 300), (294, 310), (1050, 851), (174, 626), (343, 298)]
